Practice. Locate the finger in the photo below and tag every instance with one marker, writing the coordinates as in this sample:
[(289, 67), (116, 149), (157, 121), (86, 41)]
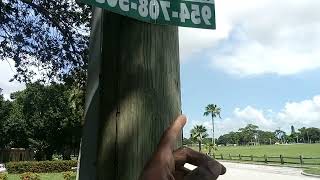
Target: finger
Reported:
[(201, 173), (216, 168), (179, 175), (168, 140), (187, 155)]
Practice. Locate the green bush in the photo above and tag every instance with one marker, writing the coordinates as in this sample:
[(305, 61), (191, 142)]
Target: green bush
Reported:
[(40, 166), (69, 175), (3, 176), (30, 176)]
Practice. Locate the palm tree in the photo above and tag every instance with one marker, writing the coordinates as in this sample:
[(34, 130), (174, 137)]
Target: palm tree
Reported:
[(214, 111), (198, 133), (280, 135), (210, 147)]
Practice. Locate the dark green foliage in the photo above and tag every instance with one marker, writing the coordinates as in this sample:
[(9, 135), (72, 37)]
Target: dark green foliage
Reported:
[(30, 176), (44, 118), (214, 111), (69, 175), (293, 131), (281, 135), (309, 135), (3, 176), (5, 108), (248, 133), (50, 36), (186, 141), (252, 135), (198, 133), (230, 138), (40, 166), (48, 39)]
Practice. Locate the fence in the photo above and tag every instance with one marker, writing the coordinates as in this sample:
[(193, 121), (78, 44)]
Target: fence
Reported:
[(16, 154), (271, 159)]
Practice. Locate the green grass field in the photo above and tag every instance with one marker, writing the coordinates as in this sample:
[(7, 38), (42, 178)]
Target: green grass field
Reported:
[(295, 150), (290, 152), (315, 171)]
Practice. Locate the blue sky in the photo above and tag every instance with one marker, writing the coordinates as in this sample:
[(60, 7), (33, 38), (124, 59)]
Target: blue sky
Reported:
[(261, 65), (202, 85)]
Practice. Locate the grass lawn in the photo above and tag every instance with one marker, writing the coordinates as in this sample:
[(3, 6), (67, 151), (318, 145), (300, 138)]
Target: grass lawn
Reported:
[(43, 176), (290, 150), (295, 150), (315, 171)]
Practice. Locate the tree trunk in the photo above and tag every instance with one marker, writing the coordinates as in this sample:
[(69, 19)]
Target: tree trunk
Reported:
[(199, 146), (48, 154), (66, 153), (133, 95), (213, 139)]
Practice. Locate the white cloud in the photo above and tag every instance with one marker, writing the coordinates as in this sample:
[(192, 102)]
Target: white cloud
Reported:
[(255, 59), (260, 37), (7, 72), (305, 113), (248, 115), (193, 41)]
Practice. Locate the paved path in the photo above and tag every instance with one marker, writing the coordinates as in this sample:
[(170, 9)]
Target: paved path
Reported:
[(237, 171)]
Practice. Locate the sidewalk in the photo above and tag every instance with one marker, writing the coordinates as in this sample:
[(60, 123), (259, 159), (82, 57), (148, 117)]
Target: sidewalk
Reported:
[(237, 171)]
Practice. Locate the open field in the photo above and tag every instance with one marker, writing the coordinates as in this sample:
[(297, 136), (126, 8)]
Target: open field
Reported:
[(306, 150), (290, 154)]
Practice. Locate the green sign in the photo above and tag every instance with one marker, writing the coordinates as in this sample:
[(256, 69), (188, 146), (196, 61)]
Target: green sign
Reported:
[(188, 13)]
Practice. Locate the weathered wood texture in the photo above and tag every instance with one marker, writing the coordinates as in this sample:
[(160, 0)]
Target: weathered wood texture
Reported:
[(139, 94)]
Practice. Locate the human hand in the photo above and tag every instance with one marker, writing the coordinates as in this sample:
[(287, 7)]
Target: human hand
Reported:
[(167, 163)]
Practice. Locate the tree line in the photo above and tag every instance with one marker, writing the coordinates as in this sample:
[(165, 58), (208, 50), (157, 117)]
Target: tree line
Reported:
[(252, 135), (45, 118)]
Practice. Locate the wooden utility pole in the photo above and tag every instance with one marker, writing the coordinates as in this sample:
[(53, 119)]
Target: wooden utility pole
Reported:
[(133, 95)]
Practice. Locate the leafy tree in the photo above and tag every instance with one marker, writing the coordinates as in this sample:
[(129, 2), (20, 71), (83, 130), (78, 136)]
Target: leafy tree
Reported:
[(225, 139), (5, 107), (15, 127), (210, 147), (293, 137), (246, 135), (186, 141), (293, 131), (43, 118), (47, 36), (304, 134), (214, 111), (208, 144), (314, 134), (248, 132), (46, 39), (280, 135), (198, 133), (229, 138), (207, 140)]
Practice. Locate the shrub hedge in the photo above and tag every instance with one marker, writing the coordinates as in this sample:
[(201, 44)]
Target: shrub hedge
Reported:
[(40, 166), (3, 176)]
